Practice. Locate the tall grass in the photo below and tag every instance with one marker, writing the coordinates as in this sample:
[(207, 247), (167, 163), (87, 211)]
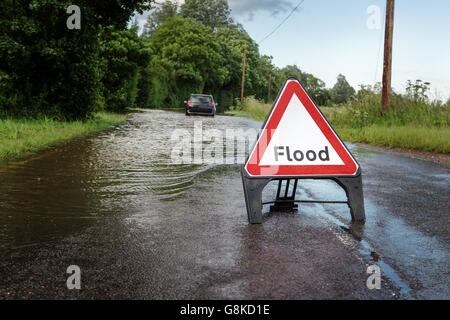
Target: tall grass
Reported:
[(19, 137), (252, 108), (404, 111), (434, 139), (410, 123)]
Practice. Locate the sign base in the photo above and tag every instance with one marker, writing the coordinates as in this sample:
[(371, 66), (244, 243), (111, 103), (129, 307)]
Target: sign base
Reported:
[(254, 186), (285, 201)]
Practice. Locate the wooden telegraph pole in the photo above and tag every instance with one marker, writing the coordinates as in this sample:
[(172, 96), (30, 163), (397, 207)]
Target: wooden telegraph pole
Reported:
[(387, 66), (268, 92), (243, 75)]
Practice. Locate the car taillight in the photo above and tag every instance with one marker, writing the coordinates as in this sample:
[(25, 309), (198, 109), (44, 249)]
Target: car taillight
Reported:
[(189, 103), (213, 105)]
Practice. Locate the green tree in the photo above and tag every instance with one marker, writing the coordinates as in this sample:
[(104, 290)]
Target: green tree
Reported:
[(231, 41), (144, 86), (212, 13), (123, 54), (144, 78), (49, 69), (314, 86), (158, 15), (116, 13), (186, 59), (188, 56), (316, 89), (342, 91), (264, 68)]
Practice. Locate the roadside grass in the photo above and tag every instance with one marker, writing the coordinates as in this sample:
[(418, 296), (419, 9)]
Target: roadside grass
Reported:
[(19, 137), (407, 125), (406, 137), (252, 108)]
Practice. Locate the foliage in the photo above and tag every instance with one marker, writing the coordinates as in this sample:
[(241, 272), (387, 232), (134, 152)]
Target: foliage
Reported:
[(186, 59), (50, 70), (417, 91), (341, 91), (158, 16), (232, 41), (190, 57), (405, 110), (212, 13), (314, 86), (144, 87), (115, 13), (47, 69), (122, 54)]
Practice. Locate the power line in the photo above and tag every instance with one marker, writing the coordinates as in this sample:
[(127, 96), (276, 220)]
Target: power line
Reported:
[(379, 51), (285, 19)]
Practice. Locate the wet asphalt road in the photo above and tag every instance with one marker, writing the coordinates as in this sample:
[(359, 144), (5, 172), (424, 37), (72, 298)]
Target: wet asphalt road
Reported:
[(140, 227)]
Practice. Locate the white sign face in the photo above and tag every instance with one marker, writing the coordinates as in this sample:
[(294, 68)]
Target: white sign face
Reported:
[(299, 141)]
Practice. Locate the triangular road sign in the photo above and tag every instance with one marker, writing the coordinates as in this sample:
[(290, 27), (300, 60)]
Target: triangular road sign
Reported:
[(297, 140)]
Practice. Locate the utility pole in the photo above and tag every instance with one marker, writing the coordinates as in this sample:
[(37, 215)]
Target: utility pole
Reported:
[(243, 75), (387, 66), (268, 92)]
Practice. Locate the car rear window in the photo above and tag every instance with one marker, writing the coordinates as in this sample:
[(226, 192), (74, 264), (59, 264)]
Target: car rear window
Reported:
[(201, 99)]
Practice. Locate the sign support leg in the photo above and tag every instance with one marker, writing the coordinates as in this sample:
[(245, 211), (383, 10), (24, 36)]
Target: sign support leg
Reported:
[(354, 191), (253, 189)]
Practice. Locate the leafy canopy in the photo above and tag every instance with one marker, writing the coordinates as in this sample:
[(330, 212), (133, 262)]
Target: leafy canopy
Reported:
[(342, 91), (212, 13), (47, 69)]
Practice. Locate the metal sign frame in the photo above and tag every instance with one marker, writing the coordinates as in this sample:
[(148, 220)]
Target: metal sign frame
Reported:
[(254, 185)]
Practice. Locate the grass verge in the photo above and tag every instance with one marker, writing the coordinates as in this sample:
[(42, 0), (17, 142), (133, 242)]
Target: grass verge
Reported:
[(252, 108), (19, 137), (405, 137), (428, 131)]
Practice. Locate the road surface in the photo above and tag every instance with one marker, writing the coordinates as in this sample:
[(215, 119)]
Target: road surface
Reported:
[(141, 227)]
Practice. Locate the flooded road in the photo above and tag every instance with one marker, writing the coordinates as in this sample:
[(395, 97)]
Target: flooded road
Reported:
[(141, 227)]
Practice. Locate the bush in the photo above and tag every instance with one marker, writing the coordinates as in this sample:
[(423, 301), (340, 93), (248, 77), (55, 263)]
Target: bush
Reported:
[(48, 70), (143, 87), (51, 70), (123, 53)]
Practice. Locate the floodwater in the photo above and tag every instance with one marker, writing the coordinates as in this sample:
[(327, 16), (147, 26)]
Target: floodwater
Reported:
[(141, 227)]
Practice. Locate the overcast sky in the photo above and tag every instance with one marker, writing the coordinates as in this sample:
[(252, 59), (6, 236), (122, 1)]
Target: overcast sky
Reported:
[(328, 37)]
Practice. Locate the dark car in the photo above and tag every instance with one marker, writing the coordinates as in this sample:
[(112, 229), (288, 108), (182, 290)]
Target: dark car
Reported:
[(201, 104)]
